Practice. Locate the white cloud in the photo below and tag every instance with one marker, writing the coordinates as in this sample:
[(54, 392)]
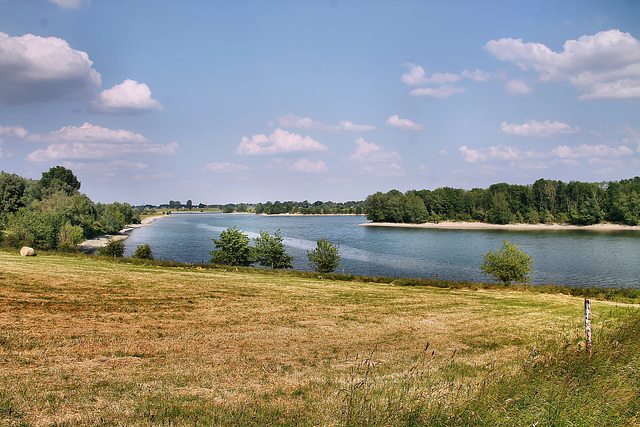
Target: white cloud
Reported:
[(477, 75), (280, 141), (225, 167), (536, 128), (153, 177), (12, 132), (71, 4), (129, 97), (306, 166), (94, 142), (370, 152), (405, 124), (416, 76), (443, 91), (392, 169), (106, 167), (596, 151), (605, 65), (293, 121), (499, 152), (34, 68), (518, 87)]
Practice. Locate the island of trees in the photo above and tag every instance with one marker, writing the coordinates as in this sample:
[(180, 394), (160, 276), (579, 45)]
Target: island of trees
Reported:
[(545, 201)]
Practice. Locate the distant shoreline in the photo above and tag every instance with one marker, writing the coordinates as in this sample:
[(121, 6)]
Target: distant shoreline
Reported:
[(463, 225), (91, 245)]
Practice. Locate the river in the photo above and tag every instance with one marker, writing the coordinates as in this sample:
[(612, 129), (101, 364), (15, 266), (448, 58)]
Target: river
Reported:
[(565, 257)]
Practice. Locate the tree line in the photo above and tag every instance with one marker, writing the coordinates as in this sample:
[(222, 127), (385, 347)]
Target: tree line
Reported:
[(306, 208), (51, 213), (544, 201)]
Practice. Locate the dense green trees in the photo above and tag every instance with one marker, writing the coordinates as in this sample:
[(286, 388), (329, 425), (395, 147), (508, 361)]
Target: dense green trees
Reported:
[(306, 208), (545, 201), (50, 212), (232, 248)]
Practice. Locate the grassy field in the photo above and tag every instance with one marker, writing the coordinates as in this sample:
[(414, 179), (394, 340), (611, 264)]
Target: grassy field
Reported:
[(85, 341)]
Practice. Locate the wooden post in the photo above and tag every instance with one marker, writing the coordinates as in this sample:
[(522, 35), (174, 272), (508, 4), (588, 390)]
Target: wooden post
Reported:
[(587, 324)]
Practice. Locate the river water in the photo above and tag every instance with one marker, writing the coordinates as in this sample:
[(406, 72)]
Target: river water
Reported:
[(570, 258)]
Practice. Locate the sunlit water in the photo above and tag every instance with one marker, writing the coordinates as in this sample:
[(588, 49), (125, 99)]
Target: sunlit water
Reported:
[(571, 258)]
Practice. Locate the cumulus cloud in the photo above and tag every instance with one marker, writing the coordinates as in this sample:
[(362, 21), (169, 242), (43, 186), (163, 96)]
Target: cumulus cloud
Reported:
[(518, 87), (70, 4), (443, 91), (563, 154), (596, 151), (477, 75), (370, 152), (536, 128), (405, 124), (12, 132), (94, 142), (499, 152), (106, 167), (280, 141), (307, 166), (392, 169), (416, 76), (34, 68), (225, 167), (605, 65), (293, 121), (129, 97)]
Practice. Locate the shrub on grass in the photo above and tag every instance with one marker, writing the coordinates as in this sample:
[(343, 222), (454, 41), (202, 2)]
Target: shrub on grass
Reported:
[(509, 264), (114, 248), (143, 252), (325, 258)]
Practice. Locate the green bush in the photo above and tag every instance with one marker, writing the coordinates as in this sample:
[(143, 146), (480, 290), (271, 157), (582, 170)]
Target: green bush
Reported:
[(143, 252), (67, 247), (115, 248), (325, 258), (270, 251), (233, 248), (509, 264)]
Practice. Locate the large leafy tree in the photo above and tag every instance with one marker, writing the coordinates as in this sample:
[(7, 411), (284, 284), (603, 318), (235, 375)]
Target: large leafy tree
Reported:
[(270, 251), (325, 258), (59, 178), (509, 264), (233, 248), (12, 188)]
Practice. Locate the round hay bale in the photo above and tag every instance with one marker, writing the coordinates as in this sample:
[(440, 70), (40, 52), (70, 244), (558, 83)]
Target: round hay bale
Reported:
[(27, 251)]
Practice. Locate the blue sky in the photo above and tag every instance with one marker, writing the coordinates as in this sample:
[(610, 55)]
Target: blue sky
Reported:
[(251, 101)]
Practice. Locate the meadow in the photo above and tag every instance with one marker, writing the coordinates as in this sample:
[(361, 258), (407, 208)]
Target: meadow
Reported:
[(89, 341)]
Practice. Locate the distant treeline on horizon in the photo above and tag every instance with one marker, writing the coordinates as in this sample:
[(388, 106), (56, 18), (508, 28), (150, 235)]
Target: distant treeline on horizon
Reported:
[(544, 201)]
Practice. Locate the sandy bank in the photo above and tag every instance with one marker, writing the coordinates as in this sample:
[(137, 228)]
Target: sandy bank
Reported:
[(91, 245), (451, 225)]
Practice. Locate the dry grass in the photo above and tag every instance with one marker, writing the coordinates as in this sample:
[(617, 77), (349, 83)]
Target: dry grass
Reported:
[(85, 342)]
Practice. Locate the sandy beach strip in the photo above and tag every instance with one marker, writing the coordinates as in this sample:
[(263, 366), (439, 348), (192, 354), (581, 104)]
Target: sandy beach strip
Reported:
[(91, 245), (462, 225)]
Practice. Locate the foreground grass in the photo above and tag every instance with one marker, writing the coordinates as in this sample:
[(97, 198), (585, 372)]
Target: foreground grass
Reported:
[(89, 342)]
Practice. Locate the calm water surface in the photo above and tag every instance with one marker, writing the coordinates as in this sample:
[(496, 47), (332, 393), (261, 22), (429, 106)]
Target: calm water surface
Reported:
[(571, 258)]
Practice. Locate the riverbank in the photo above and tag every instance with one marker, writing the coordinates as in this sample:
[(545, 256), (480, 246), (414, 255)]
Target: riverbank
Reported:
[(463, 225), (91, 245)]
